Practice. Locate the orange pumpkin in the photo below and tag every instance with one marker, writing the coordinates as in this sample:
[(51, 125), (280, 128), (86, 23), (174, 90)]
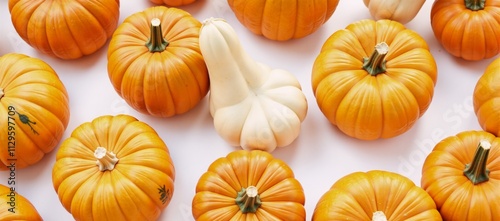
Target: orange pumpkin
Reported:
[(14, 206), (155, 63), (283, 20), (468, 29), (374, 79), (34, 110), (486, 98), (173, 2), (114, 168), (374, 196), (248, 185), (66, 29), (462, 175)]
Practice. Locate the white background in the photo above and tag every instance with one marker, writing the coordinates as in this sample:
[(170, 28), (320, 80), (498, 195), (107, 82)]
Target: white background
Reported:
[(319, 156)]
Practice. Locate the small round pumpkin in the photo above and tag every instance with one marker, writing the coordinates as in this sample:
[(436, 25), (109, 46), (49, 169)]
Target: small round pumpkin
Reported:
[(34, 110), (462, 175), (173, 2), (283, 20), (467, 28), (114, 168), (486, 98), (66, 29), (155, 63), (248, 185), (374, 79), (375, 195), (14, 206)]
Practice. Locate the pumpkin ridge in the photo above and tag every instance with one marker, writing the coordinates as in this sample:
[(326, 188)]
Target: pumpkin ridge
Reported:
[(265, 184), (492, 23), (127, 189), (33, 6), (95, 15), (458, 197), (185, 34), (77, 13), (50, 17), (456, 13)]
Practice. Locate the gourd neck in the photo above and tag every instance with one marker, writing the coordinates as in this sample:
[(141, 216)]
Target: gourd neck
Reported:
[(375, 64), (248, 199), (156, 42), (474, 5), (476, 171), (379, 216), (106, 160), (1, 93)]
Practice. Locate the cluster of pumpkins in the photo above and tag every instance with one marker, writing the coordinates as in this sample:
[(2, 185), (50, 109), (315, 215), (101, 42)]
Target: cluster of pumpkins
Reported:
[(374, 79)]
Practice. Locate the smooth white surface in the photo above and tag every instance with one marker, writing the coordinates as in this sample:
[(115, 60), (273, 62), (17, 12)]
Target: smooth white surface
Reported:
[(319, 157)]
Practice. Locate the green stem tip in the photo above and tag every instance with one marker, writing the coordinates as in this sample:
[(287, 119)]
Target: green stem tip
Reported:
[(156, 42), (476, 171), (375, 64), (475, 5), (248, 199)]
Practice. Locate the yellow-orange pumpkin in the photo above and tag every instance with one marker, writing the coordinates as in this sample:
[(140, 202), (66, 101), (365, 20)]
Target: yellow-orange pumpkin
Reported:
[(14, 206), (248, 185), (114, 168), (369, 196), (487, 98), (374, 79), (283, 20), (155, 64), (34, 110), (66, 29), (462, 175), (469, 29)]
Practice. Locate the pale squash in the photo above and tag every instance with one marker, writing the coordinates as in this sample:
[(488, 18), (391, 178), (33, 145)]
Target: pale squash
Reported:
[(253, 105), (402, 11)]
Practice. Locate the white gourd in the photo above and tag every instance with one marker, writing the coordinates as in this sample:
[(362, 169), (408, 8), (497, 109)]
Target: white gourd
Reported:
[(402, 11), (252, 105)]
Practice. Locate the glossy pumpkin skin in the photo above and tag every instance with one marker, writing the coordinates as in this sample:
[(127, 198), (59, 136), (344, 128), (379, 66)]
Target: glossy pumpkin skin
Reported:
[(139, 186), (281, 194), (382, 105), (466, 33), (283, 20), (455, 195), (23, 209), (486, 98), (161, 84), (34, 110), (358, 195), (65, 29), (173, 2)]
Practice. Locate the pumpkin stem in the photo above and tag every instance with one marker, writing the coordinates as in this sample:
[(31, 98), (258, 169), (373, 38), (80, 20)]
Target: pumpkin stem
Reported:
[(248, 199), (105, 160), (379, 216), (1, 93), (156, 42), (375, 64), (475, 5), (477, 171)]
